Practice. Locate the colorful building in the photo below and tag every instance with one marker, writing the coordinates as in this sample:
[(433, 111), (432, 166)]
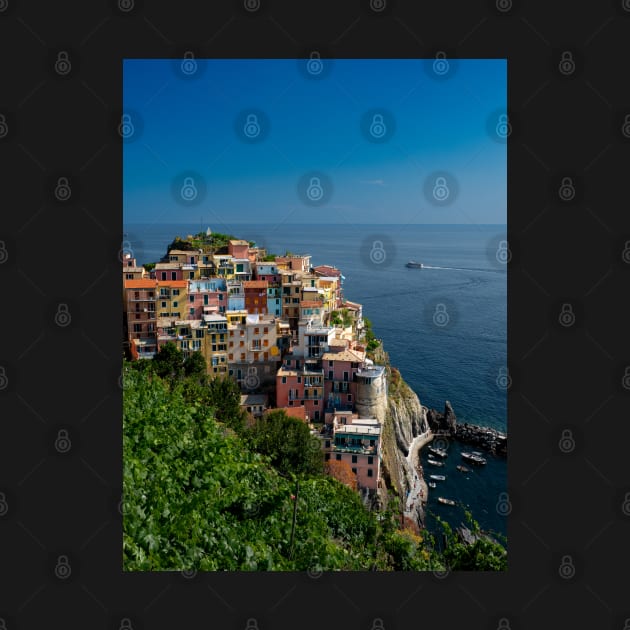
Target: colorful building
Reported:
[(296, 386), (356, 441), (206, 296), (140, 299), (255, 296)]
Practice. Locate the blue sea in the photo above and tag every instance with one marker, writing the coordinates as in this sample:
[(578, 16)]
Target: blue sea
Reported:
[(444, 326)]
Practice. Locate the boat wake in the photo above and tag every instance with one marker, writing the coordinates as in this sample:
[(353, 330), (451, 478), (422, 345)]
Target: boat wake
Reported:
[(463, 269)]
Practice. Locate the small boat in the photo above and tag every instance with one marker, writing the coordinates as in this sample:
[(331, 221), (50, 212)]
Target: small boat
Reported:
[(412, 264), (474, 458), (439, 452), (437, 477), (462, 468), (432, 462), (446, 501), (432, 484)]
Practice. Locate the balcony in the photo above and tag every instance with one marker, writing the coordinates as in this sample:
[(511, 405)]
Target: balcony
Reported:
[(331, 407), (142, 299), (351, 448)]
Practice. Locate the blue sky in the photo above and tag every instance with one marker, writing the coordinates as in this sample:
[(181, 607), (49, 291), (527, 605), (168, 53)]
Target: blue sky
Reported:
[(187, 125)]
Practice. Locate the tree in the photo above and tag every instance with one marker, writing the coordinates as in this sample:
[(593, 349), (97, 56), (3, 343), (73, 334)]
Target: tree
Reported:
[(169, 361), (342, 472), (224, 396), (288, 442), (195, 365), (149, 266)]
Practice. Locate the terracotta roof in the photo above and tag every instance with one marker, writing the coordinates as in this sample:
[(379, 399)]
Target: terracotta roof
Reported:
[(173, 283), (310, 303), (255, 284), (346, 355), (141, 284)]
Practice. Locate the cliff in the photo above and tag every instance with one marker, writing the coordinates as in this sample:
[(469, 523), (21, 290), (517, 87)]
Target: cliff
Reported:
[(404, 426)]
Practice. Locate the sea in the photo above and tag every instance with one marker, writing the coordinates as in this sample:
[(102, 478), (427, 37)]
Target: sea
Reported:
[(444, 325)]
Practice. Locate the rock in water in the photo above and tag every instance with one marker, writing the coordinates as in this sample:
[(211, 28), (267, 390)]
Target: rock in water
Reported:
[(450, 419)]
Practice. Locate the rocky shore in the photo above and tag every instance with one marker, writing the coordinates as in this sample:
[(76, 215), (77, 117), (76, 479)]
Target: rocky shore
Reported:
[(445, 424)]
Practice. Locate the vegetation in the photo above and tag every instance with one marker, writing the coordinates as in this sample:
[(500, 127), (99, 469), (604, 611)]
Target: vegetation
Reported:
[(201, 241), (149, 266), (372, 342), (202, 491), (341, 318)]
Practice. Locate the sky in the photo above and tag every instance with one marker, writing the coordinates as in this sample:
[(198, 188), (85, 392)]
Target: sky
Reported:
[(185, 128)]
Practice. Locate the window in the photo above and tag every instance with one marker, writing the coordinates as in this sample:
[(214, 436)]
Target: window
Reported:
[(164, 275), (338, 457), (330, 374), (354, 459), (175, 304), (205, 300), (191, 298), (316, 402), (173, 275), (330, 364), (163, 304), (370, 460), (284, 379), (370, 472), (349, 397), (199, 334), (175, 291), (137, 328), (265, 330), (129, 276), (327, 443), (327, 457), (354, 470), (191, 275), (299, 379), (191, 311)]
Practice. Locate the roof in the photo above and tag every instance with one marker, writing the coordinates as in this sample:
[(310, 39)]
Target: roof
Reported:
[(358, 429), (239, 242), (255, 284), (345, 355), (310, 303), (188, 252), (173, 283), (168, 265), (338, 342), (145, 283), (254, 399)]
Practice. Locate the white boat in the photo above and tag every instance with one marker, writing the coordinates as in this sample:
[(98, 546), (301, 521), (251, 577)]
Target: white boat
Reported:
[(412, 264), (432, 462), (474, 458), (446, 501), (437, 477), (432, 484), (440, 452)]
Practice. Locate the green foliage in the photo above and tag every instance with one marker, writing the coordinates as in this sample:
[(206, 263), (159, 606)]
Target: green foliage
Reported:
[(288, 442), (198, 497), (169, 361), (269, 258), (149, 266), (224, 397), (195, 365)]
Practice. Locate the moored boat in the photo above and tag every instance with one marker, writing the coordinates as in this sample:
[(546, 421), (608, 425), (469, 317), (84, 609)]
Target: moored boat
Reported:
[(439, 452), (432, 462), (437, 477), (432, 484), (474, 458), (446, 501), (462, 468)]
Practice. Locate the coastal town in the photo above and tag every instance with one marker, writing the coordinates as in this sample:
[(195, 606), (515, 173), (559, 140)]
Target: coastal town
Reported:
[(279, 326)]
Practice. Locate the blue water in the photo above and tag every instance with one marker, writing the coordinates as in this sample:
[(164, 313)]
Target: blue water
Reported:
[(459, 362)]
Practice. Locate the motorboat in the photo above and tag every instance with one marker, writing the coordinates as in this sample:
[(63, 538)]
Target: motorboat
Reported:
[(438, 452), (462, 468), (412, 264), (432, 462), (437, 477), (446, 501), (432, 484), (474, 458)]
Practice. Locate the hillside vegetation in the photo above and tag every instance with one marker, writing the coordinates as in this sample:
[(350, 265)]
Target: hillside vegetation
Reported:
[(205, 490)]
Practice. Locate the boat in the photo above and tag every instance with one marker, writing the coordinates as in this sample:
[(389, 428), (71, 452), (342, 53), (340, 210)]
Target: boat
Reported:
[(439, 452), (412, 264), (432, 484), (474, 458), (462, 468), (437, 477), (434, 463), (446, 501)]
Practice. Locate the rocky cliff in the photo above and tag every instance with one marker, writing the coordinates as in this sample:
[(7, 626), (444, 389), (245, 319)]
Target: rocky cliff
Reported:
[(404, 422)]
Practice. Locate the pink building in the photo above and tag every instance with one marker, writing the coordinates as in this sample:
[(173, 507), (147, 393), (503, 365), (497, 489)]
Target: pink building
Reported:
[(238, 249), (205, 297), (340, 385), (356, 441), (301, 386)]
